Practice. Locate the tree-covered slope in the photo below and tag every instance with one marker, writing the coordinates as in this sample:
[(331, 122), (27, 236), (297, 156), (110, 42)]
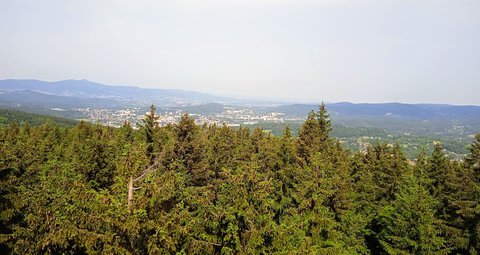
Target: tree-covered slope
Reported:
[(8, 116), (188, 189)]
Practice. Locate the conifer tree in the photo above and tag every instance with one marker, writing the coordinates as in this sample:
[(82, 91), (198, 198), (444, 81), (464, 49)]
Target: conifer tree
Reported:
[(438, 171), (220, 190), (287, 150), (188, 150), (472, 160), (324, 122), (222, 142), (387, 166), (470, 205), (409, 225), (308, 141), (149, 126), (445, 186), (421, 167)]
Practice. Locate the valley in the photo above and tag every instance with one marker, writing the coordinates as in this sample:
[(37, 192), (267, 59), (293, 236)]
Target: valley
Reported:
[(412, 126)]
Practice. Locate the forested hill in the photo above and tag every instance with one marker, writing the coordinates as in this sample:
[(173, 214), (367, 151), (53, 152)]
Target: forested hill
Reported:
[(8, 116), (188, 189), (399, 110), (84, 93)]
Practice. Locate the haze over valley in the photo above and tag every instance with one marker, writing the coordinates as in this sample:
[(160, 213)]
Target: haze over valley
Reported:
[(360, 124)]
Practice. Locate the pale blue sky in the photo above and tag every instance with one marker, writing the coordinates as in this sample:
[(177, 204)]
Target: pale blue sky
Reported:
[(414, 51)]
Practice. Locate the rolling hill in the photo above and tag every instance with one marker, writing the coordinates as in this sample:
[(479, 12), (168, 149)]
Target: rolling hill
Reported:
[(76, 90)]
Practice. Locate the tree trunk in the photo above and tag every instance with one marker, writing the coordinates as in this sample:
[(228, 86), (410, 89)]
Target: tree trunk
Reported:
[(130, 193)]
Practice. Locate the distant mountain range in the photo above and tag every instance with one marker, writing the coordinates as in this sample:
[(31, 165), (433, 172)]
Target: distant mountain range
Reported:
[(418, 111), (80, 92), (35, 94)]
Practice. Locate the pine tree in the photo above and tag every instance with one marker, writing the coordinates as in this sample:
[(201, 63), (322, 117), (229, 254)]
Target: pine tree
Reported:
[(149, 126), (388, 167), (421, 167), (287, 150), (221, 144), (472, 160), (188, 150), (438, 171), (446, 186), (324, 123), (470, 204), (219, 190), (308, 142), (409, 225)]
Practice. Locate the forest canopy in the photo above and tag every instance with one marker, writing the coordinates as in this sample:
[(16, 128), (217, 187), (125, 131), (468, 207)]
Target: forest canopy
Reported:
[(188, 189)]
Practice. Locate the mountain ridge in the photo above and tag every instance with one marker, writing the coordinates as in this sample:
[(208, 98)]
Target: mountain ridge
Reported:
[(85, 93), (86, 88)]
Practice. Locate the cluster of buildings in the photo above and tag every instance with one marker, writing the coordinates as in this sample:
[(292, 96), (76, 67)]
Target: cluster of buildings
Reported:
[(114, 118), (249, 116), (230, 116)]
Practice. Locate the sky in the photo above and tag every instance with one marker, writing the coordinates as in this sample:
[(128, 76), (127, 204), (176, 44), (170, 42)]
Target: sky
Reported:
[(410, 51)]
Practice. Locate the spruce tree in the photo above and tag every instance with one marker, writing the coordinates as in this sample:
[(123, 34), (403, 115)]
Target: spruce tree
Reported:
[(149, 126), (446, 186), (324, 122), (439, 170), (470, 206), (472, 160), (308, 141), (409, 225), (188, 150)]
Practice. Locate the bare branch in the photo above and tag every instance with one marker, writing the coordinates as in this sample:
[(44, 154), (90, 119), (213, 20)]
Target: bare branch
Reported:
[(131, 188), (150, 168), (203, 241)]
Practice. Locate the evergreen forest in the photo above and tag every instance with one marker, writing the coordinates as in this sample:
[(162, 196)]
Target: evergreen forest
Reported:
[(188, 189)]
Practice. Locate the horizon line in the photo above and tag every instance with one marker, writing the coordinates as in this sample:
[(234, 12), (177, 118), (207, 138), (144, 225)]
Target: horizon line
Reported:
[(282, 101)]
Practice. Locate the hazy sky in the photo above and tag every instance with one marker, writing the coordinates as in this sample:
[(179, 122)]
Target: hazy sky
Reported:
[(300, 50)]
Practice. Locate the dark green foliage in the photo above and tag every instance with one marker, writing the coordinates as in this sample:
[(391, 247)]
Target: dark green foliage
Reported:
[(468, 197), (218, 190), (188, 153), (409, 225), (473, 158), (149, 127), (324, 122), (8, 117)]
